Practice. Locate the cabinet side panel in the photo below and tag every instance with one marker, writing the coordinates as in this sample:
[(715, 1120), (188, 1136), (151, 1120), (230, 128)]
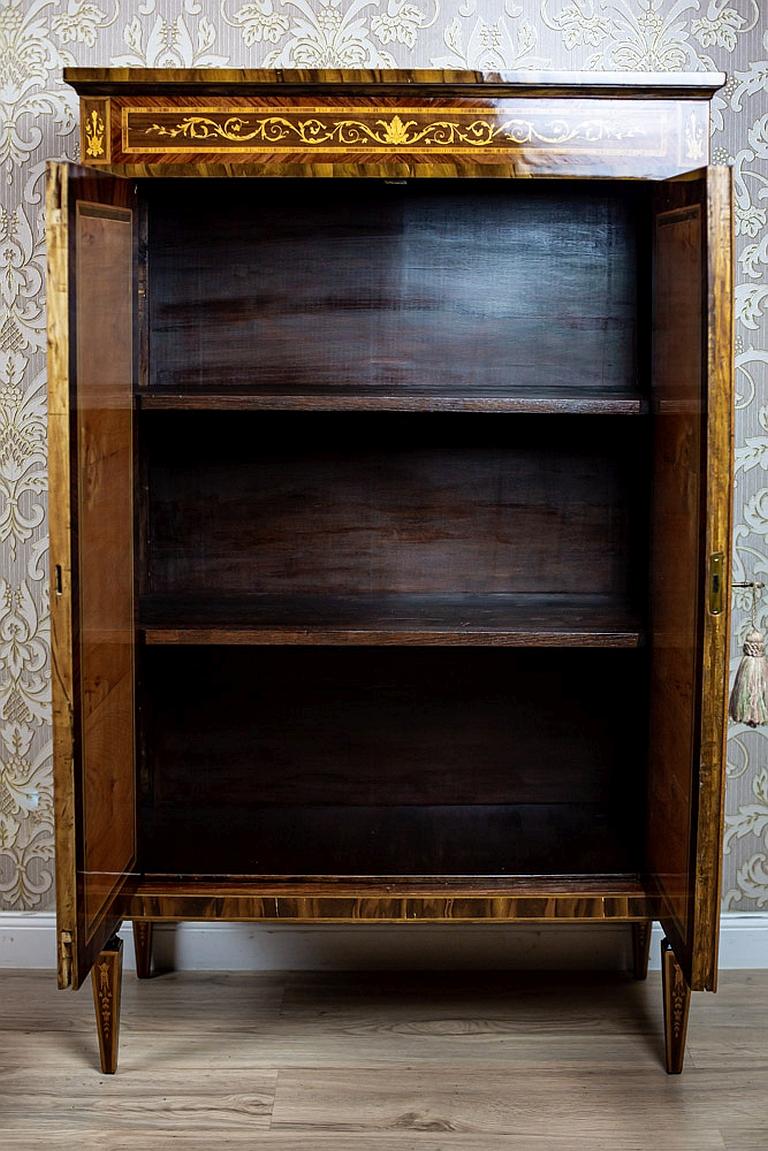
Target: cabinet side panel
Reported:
[(676, 564), (104, 325)]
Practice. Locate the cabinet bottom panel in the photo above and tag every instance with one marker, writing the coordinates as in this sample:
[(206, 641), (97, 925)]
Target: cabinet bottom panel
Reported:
[(333, 899)]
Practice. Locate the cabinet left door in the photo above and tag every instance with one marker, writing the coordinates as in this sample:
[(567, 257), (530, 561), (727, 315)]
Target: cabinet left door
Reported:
[(91, 235)]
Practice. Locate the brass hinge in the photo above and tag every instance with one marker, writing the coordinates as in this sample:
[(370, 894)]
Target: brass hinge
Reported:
[(65, 958), (716, 577)]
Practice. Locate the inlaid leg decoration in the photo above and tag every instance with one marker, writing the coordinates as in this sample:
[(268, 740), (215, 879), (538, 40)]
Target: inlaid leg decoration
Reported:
[(677, 1001), (641, 948), (106, 978), (142, 946)]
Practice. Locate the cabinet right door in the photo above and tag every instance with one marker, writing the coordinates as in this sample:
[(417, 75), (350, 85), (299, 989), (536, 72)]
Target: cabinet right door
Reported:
[(691, 402)]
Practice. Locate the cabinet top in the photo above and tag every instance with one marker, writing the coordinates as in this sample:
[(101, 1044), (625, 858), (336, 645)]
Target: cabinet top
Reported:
[(240, 81), (395, 124)]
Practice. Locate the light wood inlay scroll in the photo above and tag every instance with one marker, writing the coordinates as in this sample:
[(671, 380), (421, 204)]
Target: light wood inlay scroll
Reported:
[(363, 128), (542, 137)]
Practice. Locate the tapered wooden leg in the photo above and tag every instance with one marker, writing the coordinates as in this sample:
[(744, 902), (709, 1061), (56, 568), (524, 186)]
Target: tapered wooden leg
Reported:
[(142, 946), (106, 978), (677, 1002), (641, 948)]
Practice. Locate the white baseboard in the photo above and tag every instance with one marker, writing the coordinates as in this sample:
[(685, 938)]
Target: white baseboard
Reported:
[(27, 940)]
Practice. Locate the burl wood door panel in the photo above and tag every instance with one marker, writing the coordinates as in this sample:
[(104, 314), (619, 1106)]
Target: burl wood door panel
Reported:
[(91, 249), (692, 349)]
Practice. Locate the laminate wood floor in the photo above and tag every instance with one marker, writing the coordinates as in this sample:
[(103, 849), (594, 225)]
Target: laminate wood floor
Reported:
[(383, 1062)]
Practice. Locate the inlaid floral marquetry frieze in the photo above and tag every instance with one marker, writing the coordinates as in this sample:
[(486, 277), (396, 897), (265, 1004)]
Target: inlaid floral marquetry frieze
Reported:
[(457, 129), (534, 133)]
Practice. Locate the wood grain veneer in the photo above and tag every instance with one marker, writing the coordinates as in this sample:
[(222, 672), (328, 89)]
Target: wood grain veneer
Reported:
[(104, 273), (254, 81), (554, 400), (719, 477), (90, 409), (532, 899), (693, 387)]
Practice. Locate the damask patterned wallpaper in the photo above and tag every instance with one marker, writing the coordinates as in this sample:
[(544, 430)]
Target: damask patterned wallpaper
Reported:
[(38, 121)]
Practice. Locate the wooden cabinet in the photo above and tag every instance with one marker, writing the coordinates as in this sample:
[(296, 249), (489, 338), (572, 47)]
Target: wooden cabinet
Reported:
[(390, 506)]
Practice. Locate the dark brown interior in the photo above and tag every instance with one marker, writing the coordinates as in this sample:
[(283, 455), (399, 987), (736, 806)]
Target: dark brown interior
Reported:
[(368, 761), (446, 285), (327, 504), (402, 528)]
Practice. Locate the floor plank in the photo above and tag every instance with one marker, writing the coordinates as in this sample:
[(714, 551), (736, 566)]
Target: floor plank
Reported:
[(224, 1001), (165, 1100), (742, 1139), (401, 1141), (462, 1099), (391, 1061)]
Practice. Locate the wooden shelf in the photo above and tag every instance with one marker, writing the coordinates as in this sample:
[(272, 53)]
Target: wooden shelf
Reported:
[(553, 401), (543, 886), (418, 620)]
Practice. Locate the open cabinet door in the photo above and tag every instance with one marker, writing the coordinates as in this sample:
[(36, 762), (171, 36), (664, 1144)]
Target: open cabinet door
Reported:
[(91, 228), (689, 606)]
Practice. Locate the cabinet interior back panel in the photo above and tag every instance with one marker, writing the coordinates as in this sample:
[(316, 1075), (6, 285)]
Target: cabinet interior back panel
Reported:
[(339, 761), (367, 283), (323, 504)]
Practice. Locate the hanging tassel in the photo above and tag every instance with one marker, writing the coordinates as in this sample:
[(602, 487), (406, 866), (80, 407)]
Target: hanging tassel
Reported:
[(749, 698)]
